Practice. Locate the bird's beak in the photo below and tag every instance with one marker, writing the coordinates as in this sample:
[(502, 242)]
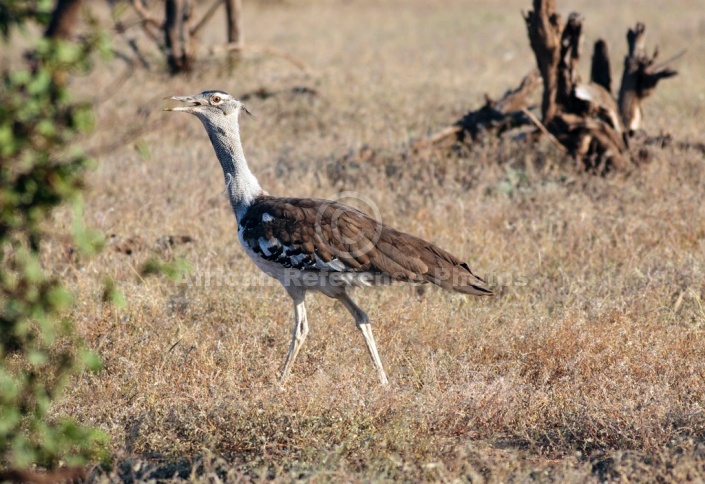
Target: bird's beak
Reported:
[(192, 103)]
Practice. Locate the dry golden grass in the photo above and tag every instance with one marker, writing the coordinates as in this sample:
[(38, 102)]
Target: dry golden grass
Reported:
[(588, 365)]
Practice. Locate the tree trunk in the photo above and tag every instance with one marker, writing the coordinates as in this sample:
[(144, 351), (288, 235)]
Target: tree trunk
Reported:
[(176, 35), (236, 37), (188, 47), (171, 21), (233, 9), (63, 19)]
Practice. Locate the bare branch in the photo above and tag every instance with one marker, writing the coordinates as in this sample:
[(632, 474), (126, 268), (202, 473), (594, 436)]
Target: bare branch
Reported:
[(150, 25), (234, 13), (206, 17), (145, 15), (543, 129), (639, 78)]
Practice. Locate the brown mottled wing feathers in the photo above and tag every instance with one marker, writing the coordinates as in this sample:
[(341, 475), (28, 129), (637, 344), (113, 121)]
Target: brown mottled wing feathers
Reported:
[(312, 234)]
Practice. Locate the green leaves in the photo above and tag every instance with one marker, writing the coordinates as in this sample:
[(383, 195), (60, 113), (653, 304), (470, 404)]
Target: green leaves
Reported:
[(174, 270), (40, 170), (112, 295), (14, 14), (91, 361), (88, 241)]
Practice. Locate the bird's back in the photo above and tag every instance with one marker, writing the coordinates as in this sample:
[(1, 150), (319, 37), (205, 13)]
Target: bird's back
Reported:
[(321, 235)]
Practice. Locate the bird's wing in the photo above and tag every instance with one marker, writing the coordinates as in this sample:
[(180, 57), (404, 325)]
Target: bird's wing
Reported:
[(313, 234)]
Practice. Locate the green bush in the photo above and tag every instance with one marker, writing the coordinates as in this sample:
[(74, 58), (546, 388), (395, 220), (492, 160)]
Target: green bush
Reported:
[(40, 169)]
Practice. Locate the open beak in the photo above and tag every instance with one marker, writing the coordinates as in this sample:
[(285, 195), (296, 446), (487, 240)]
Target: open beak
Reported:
[(191, 103)]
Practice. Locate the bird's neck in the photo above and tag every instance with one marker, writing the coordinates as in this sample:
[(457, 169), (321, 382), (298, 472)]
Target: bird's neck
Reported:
[(241, 185)]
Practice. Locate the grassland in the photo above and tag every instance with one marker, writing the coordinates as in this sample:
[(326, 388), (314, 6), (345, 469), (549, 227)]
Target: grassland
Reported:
[(589, 365)]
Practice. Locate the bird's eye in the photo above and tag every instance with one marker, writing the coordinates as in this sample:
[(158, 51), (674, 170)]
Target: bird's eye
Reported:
[(216, 99)]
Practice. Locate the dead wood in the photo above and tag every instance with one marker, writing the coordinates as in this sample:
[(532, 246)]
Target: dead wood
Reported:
[(600, 71), (567, 69), (544, 130), (591, 141), (180, 52), (493, 117), (543, 24), (150, 25), (583, 117), (174, 36), (206, 17), (517, 99), (557, 52), (639, 78), (500, 116), (598, 103), (236, 36), (177, 39), (144, 14)]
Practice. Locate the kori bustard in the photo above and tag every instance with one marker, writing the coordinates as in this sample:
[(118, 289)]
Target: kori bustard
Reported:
[(318, 245)]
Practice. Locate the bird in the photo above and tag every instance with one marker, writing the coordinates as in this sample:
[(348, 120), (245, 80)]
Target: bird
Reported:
[(318, 245)]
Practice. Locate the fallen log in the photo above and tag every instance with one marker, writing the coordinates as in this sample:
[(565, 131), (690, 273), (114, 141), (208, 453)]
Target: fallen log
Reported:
[(493, 117)]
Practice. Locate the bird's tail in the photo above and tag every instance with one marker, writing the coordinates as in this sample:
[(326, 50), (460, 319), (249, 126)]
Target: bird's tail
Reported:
[(450, 273), (459, 278)]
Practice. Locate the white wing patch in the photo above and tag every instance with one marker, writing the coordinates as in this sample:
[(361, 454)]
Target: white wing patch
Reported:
[(296, 260), (266, 217), (266, 245), (334, 265)]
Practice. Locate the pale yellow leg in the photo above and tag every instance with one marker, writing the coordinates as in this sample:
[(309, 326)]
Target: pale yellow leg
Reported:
[(363, 323), (299, 334)]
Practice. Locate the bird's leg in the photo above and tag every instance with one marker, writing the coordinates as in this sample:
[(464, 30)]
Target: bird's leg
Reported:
[(299, 333), (363, 323)]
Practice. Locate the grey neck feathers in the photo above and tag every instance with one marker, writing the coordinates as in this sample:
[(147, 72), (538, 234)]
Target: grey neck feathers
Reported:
[(241, 185)]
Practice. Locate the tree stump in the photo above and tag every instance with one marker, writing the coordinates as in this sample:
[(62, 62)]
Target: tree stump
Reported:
[(584, 116)]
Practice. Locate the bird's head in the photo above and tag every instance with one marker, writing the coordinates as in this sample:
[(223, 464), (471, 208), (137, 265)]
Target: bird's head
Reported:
[(209, 104)]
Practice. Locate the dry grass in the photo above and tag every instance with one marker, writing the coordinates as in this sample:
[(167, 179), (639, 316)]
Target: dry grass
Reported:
[(589, 365)]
